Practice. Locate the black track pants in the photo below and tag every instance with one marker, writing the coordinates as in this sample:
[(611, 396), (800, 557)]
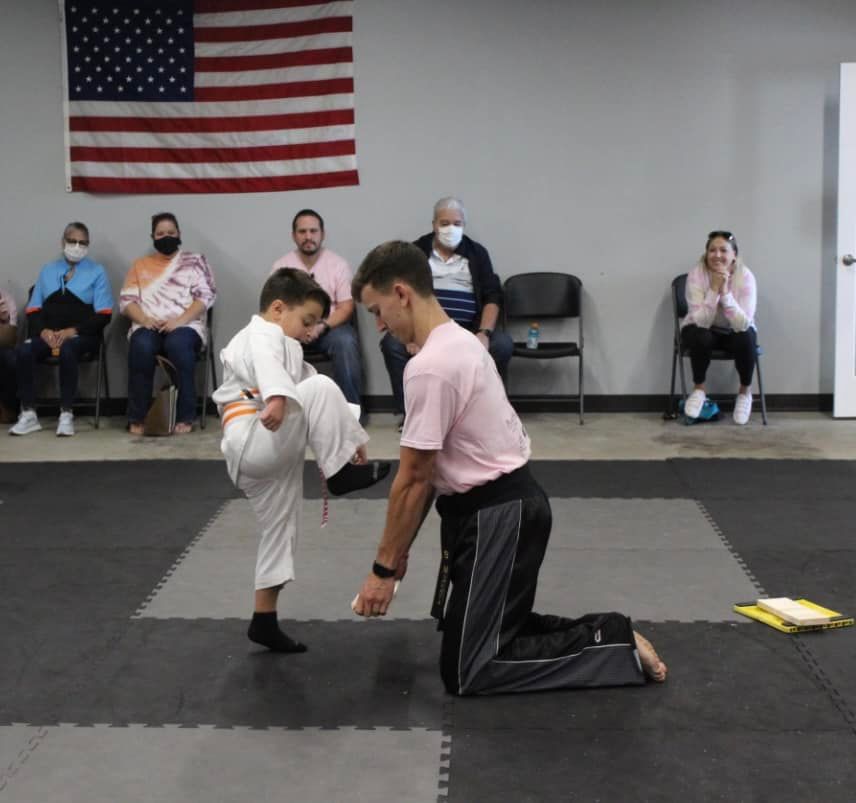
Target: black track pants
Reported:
[(494, 538)]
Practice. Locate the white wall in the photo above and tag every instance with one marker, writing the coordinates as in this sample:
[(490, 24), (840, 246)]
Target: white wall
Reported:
[(604, 139)]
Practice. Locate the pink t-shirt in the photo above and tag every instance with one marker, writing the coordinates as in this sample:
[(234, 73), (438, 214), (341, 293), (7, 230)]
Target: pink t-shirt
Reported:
[(330, 271), (456, 405)]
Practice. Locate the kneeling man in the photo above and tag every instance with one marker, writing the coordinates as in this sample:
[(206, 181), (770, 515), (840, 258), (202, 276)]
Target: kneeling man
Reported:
[(463, 441)]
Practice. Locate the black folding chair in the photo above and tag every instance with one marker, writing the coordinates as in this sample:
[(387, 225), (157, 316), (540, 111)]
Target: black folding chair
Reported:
[(544, 295), (679, 351)]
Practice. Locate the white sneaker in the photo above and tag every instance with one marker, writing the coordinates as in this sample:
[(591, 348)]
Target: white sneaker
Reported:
[(742, 408), (65, 426), (27, 422), (694, 403)]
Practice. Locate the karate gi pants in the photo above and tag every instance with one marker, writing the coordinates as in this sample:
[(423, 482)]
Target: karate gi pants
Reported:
[(271, 467), (494, 539)]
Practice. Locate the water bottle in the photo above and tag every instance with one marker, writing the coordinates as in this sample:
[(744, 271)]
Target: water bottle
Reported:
[(532, 336)]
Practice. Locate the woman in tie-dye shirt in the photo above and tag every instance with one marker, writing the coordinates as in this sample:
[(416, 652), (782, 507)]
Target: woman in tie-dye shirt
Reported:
[(166, 295)]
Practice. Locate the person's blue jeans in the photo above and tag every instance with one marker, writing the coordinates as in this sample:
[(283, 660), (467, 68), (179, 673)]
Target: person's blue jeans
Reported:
[(181, 347), (8, 385), (342, 346), (395, 356), (35, 350)]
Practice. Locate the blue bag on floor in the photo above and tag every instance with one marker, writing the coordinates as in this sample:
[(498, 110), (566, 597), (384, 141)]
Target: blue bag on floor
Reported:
[(709, 412)]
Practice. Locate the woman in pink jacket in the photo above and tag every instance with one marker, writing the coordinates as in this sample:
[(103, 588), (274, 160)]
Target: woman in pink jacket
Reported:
[(721, 298)]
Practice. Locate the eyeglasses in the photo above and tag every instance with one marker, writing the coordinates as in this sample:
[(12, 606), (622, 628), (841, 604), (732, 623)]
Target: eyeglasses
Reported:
[(72, 241), (726, 235)]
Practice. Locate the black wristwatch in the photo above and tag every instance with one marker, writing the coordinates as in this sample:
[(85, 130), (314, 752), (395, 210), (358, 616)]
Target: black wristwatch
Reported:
[(379, 570), (484, 329)]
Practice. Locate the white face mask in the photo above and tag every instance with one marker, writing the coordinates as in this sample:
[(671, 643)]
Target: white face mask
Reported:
[(75, 252), (450, 236)]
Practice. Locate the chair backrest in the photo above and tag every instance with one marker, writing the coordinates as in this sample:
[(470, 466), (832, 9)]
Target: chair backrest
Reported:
[(541, 295), (679, 296)]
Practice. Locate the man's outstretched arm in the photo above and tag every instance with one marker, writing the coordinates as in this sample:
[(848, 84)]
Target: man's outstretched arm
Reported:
[(409, 500)]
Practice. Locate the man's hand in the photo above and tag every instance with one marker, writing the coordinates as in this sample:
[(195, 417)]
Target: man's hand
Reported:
[(315, 332), (483, 339), (374, 596), (167, 326), (273, 413), (412, 349), (49, 336)]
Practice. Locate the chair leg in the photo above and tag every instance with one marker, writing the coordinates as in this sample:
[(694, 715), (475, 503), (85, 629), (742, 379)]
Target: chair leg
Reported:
[(213, 360), (582, 395), (204, 394), (98, 388), (761, 391), (671, 407), (683, 374), (106, 378)]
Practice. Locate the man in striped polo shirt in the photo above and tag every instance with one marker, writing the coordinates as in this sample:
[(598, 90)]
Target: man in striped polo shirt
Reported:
[(466, 287)]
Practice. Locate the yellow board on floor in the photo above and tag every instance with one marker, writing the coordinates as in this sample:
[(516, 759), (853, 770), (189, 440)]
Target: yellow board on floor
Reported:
[(836, 619)]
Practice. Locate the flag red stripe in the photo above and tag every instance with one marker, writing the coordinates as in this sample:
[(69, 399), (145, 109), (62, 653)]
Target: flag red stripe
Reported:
[(282, 30), (340, 178), (212, 125), (273, 61), (224, 6), (294, 89), (261, 153)]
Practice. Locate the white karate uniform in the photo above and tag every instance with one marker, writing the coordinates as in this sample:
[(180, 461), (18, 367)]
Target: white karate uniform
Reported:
[(268, 466)]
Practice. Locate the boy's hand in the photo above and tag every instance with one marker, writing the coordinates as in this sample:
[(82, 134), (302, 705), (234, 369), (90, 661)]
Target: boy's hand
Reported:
[(273, 413)]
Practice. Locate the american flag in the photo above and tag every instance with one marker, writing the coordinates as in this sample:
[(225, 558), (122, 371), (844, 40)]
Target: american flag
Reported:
[(181, 96)]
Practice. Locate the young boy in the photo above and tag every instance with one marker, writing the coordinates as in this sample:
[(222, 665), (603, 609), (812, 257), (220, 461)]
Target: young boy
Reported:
[(272, 404)]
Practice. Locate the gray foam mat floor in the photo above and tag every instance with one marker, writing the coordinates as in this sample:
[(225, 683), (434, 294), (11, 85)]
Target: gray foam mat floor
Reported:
[(127, 675)]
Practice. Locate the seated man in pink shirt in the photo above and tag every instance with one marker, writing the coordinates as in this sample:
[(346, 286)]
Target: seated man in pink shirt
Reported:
[(335, 336), (463, 441)]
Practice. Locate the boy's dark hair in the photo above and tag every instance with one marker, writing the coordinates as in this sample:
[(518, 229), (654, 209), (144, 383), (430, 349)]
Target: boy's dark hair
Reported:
[(164, 216), (293, 287), (303, 212), (391, 261)]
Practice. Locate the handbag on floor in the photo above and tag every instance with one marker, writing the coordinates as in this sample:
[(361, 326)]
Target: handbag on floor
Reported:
[(709, 412), (160, 419)]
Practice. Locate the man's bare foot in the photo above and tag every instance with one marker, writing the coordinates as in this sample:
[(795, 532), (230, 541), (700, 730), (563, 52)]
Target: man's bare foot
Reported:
[(183, 428), (651, 663), (136, 429)]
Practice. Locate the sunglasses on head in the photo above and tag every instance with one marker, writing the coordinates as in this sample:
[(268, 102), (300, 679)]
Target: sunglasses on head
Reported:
[(726, 235)]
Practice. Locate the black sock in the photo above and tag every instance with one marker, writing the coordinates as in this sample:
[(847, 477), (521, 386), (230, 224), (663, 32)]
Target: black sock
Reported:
[(352, 477), (264, 629)]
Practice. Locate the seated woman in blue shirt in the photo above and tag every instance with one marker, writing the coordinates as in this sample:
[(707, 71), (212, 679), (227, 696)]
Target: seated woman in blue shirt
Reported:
[(70, 304)]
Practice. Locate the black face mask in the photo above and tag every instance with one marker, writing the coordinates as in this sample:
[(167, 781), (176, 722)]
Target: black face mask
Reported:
[(167, 245)]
